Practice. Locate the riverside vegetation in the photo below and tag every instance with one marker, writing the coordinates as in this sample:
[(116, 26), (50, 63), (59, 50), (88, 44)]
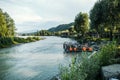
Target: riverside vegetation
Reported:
[(7, 32), (105, 22), (8, 41), (84, 68)]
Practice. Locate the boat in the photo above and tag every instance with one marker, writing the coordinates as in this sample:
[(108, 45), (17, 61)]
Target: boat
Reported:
[(76, 47)]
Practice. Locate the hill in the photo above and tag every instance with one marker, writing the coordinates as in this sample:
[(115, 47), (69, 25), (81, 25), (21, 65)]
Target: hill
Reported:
[(61, 27)]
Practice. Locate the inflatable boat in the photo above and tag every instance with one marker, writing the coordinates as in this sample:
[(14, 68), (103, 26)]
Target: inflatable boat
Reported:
[(76, 47)]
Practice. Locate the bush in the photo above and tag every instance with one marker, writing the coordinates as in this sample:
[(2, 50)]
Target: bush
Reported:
[(20, 40), (36, 38), (87, 69), (107, 53), (8, 41)]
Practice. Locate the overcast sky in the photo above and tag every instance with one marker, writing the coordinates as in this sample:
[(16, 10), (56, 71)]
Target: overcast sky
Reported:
[(33, 15)]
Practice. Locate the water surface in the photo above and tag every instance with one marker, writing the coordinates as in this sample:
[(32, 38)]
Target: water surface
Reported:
[(33, 61)]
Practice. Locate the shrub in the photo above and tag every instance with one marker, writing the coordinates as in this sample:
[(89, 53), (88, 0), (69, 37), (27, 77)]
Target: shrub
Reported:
[(8, 41), (87, 69), (20, 40), (107, 53)]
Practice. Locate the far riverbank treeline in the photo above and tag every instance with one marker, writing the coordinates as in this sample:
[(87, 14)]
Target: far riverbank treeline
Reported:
[(62, 29), (7, 32)]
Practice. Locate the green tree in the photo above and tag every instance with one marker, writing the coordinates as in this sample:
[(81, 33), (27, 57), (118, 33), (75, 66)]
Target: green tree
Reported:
[(10, 25), (3, 28), (7, 26), (82, 23), (106, 13), (71, 30), (96, 17), (43, 33)]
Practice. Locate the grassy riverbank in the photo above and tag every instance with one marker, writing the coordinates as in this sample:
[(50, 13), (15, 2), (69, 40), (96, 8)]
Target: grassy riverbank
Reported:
[(90, 68), (8, 41)]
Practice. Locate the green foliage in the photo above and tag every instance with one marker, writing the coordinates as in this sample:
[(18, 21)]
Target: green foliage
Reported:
[(84, 68), (8, 41), (107, 53), (105, 14), (32, 39), (7, 26), (18, 40), (43, 33), (10, 25), (96, 15), (71, 30), (64, 73), (5, 41), (87, 69), (81, 23), (3, 28)]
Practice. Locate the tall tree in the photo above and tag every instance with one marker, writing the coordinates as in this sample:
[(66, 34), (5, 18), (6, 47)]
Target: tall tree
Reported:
[(10, 25), (81, 23), (7, 26), (96, 16), (106, 13), (3, 28)]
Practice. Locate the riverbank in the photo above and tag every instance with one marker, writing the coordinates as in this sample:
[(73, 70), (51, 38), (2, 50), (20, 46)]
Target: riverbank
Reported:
[(9, 41)]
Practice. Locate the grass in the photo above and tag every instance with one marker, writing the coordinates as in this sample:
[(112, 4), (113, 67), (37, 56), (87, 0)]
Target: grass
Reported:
[(8, 41)]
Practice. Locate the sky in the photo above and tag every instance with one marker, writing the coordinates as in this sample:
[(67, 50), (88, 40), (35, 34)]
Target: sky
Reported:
[(33, 15)]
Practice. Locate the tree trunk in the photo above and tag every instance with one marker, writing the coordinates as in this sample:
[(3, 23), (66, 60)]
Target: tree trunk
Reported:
[(111, 36), (111, 31)]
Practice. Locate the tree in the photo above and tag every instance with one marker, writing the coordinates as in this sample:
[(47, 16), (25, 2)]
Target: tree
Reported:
[(7, 25), (10, 25), (43, 33), (3, 28), (96, 16), (71, 30), (81, 23), (106, 13)]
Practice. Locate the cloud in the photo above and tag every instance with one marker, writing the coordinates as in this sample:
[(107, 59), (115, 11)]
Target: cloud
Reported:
[(21, 14), (27, 18), (45, 11)]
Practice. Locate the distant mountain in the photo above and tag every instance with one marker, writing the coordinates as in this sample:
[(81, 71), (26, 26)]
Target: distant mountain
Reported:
[(61, 27)]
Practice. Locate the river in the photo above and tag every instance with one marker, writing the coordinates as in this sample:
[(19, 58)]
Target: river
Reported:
[(38, 60)]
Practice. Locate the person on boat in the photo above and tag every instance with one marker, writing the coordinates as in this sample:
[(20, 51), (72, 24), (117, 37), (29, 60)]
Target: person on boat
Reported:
[(75, 49), (70, 49), (83, 48)]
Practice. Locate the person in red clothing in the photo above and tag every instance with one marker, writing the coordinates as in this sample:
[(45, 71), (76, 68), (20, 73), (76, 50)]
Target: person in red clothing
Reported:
[(70, 49), (83, 48), (75, 49), (90, 49)]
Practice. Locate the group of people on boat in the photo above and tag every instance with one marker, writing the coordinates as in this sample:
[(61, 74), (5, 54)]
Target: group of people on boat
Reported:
[(76, 47)]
